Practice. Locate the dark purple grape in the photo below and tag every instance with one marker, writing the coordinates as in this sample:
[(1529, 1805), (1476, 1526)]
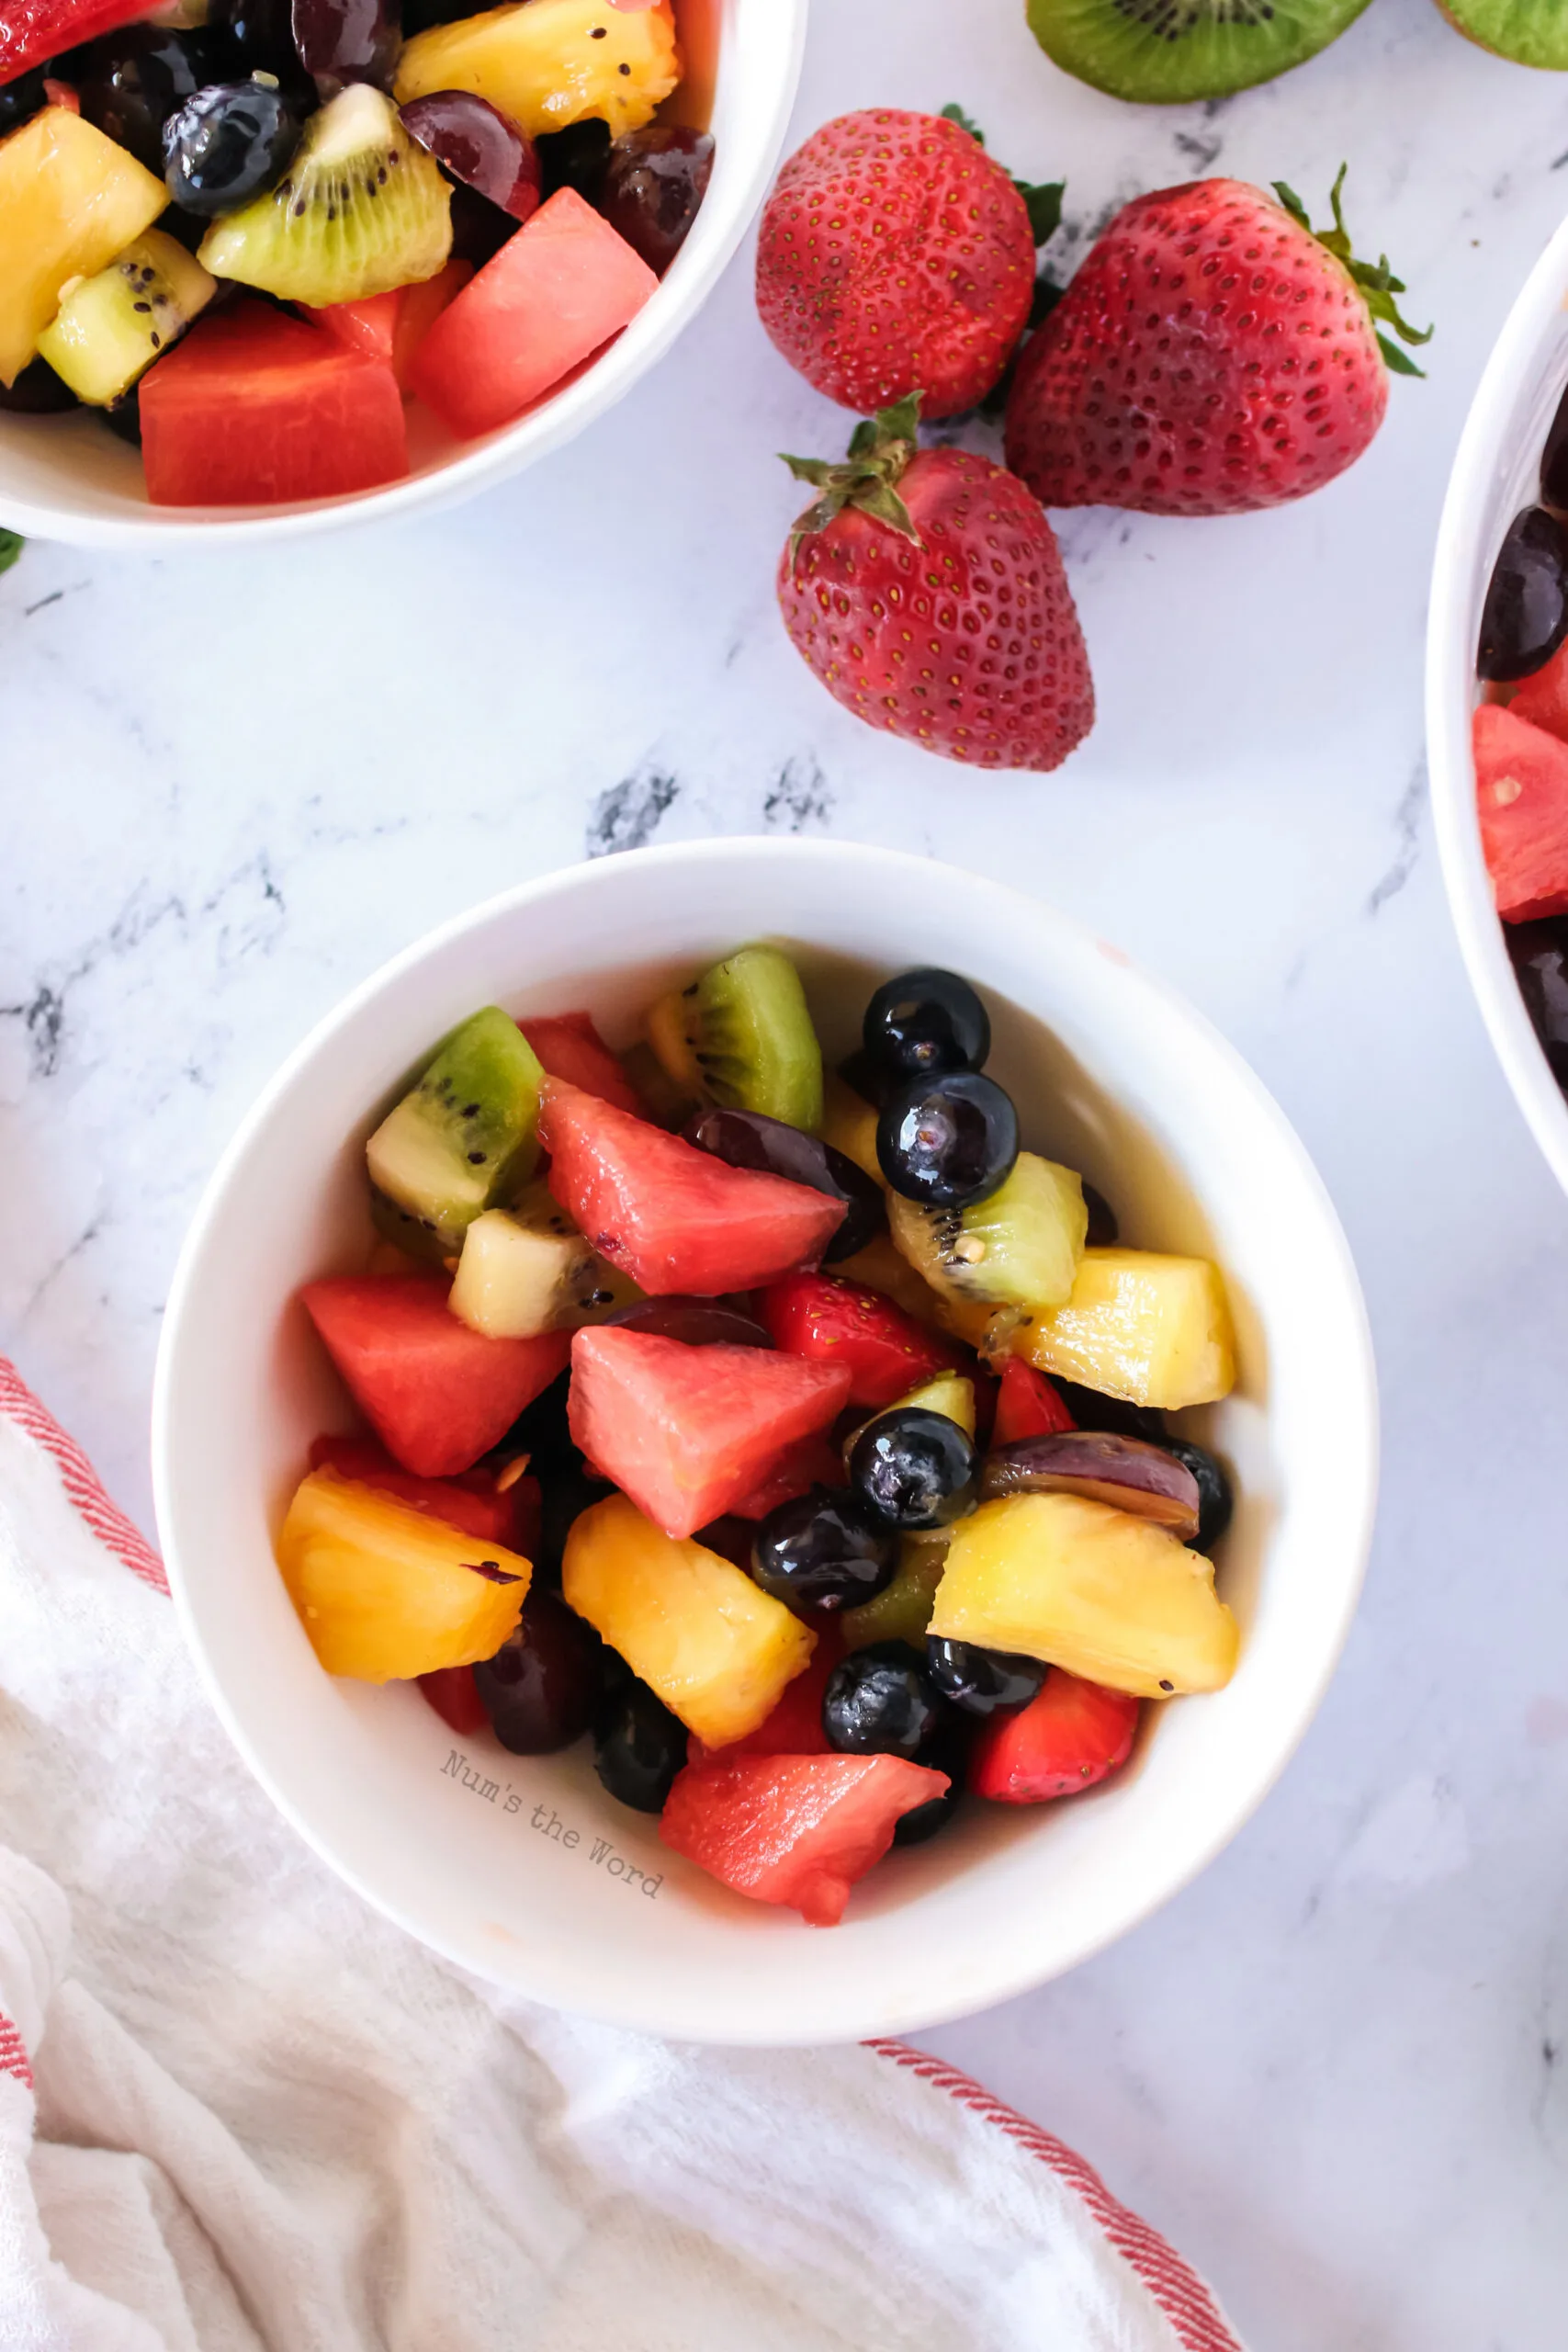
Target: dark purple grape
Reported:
[(541, 1688), (924, 1022), (226, 144), (1216, 1499), (1539, 951), (914, 1468), (575, 157), (881, 1702), (1103, 1228), (348, 40), (21, 99), (1525, 617), (947, 1750), (639, 1746), (133, 81), (827, 1549), (697, 1322), (1554, 459), (983, 1683), (950, 1141), (477, 145), (751, 1140), (1103, 1466), (37, 391), (653, 184)]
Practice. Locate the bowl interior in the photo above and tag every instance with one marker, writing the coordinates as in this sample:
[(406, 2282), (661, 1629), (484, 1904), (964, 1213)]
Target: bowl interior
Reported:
[(524, 1868), (1495, 473), (67, 478)]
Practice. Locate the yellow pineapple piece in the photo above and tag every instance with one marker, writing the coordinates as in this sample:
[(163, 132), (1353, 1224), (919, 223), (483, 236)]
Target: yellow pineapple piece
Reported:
[(550, 63), (848, 1124), (1151, 1329), (716, 1649), (386, 1591), (70, 200), (1109, 1597)]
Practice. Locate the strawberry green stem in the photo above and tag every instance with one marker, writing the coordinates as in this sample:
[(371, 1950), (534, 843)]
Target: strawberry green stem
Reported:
[(1377, 285), (880, 449)]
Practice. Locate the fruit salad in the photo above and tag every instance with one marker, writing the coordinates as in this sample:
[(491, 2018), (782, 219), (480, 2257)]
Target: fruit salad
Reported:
[(1520, 739), (797, 1437), (249, 243)]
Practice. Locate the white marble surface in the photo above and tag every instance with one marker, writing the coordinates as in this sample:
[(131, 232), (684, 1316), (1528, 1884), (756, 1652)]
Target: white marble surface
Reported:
[(1334, 2070)]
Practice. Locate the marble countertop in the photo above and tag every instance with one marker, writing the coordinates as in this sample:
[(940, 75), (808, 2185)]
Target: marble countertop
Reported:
[(1334, 2069)]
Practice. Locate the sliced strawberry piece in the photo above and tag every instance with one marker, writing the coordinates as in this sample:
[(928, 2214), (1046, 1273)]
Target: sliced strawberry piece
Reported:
[(454, 1694), (568, 1046), (1072, 1734), (794, 1727), (793, 1829), (815, 1462), (437, 1394), (829, 1321), (688, 1431), (674, 1218), (32, 31), (1028, 1404), (1521, 795)]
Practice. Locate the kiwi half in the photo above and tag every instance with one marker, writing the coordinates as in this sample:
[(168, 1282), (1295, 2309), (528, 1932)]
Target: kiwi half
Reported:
[(744, 1033), (1019, 1247), (529, 1270), (1164, 53), (1530, 32), (111, 327), (465, 1135), (361, 210)]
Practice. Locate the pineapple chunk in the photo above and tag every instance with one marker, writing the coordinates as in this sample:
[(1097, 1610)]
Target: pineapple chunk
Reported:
[(1151, 1329), (850, 1125), (1109, 1597), (70, 200), (717, 1651), (550, 63), (385, 1591)]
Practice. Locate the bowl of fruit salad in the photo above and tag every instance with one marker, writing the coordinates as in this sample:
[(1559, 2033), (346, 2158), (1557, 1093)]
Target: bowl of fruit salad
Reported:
[(1497, 698), (766, 1440), (305, 259)]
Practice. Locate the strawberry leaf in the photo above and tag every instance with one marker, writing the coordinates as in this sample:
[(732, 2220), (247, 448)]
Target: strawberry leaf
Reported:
[(868, 478), (1375, 282), (11, 544), (1042, 202), (952, 112), (1399, 362)]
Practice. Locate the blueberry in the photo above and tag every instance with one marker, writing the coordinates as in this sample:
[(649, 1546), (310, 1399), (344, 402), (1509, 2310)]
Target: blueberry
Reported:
[(638, 1747), (825, 1550), (924, 1022), (541, 1688), (1215, 1498), (948, 1141), (983, 1683), (228, 143), (129, 82), (947, 1750), (914, 1467), (22, 98), (880, 1701)]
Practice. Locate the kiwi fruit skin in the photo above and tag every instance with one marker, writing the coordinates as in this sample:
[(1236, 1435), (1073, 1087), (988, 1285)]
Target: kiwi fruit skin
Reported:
[(466, 1135), (1018, 1247), (744, 1033), (1168, 52), (111, 327), (361, 210), (1528, 32)]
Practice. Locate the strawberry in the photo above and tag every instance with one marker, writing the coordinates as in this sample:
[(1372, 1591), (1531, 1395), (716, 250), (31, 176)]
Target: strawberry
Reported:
[(925, 589), (895, 256), (1213, 354), (831, 1321)]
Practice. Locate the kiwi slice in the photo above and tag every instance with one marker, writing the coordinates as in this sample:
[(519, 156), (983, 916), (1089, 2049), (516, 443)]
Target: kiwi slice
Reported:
[(744, 1035), (1528, 31), (361, 209), (529, 1270), (1164, 53), (111, 327), (467, 1134), (1018, 1247)]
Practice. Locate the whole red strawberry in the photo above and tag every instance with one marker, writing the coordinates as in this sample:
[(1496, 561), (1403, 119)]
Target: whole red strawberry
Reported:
[(925, 589), (1212, 355), (895, 256)]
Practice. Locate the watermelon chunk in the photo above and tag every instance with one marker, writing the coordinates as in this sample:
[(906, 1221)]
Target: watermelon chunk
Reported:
[(815, 1462), (567, 1045), (33, 31), (437, 1394), (554, 293), (674, 1218), (1542, 699), (685, 1431), (793, 1829), (391, 327), (474, 1502), (1521, 792), (255, 408)]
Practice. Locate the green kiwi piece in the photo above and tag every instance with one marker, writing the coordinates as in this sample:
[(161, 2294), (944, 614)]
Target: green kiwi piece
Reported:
[(527, 1270), (1164, 53), (467, 1134), (112, 326), (1020, 1247), (361, 210), (1529, 32), (902, 1610), (750, 1039)]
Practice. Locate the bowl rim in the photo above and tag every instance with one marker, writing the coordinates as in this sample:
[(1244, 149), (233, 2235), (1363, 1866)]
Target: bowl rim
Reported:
[(1451, 699), (1008, 1977), (538, 433)]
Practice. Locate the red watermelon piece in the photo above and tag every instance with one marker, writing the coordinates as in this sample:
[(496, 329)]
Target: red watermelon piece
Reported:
[(391, 327), (685, 1431), (1521, 793), (672, 1216), (567, 1045), (793, 1829), (1028, 1404), (1071, 1734), (437, 1394), (1544, 698)]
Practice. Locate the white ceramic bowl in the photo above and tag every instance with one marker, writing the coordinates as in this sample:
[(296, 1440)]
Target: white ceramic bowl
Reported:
[(1114, 1075), (1495, 474), (66, 477)]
